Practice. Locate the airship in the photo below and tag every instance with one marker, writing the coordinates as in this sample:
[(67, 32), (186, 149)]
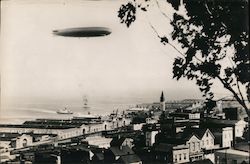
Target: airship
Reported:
[(83, 32)]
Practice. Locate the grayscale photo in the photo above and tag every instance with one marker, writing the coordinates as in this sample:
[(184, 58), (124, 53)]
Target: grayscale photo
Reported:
[(124, 82)]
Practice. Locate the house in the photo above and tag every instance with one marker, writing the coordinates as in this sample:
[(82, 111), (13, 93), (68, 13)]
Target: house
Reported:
[(122, 154), (204, 134), (194, 144), (121, 141), (200, 142)]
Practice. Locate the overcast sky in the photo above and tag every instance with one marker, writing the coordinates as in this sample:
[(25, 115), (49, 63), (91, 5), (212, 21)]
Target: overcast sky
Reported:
[(130, 62)]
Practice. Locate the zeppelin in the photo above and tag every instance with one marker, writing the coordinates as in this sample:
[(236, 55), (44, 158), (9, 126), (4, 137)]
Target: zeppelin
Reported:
[(83, 32)]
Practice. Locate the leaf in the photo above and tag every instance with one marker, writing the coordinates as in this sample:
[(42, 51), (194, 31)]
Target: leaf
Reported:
[(143, 9), (127, 13), (164, 40)]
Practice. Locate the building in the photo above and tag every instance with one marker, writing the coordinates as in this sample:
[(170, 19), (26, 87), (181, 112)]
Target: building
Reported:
[(162, 153), (180, 154), (5, 146), (207, 139), (194, 116), (170, 153), (205, 135), (121, 141), (22, 141), (162, 102), (240, 127), (150, 137), (237, 125), (121, 154), (231, 156), (99, 141), (223, 137), (195, 151)]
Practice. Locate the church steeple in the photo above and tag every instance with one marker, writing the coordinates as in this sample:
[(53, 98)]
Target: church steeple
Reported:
[(162, 101), (162, 98)]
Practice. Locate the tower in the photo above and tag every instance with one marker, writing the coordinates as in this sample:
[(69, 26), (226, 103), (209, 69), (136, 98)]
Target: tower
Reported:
[(162, 101)]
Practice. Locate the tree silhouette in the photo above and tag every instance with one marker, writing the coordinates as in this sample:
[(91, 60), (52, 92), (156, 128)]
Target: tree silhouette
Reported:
[(213, 35)]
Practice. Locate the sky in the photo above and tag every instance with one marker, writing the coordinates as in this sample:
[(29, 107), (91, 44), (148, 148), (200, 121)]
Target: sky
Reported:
[(128, 63)]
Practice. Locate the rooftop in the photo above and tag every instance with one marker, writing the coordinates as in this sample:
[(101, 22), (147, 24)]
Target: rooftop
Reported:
[(129, 158), (125, 150), (233, 152)]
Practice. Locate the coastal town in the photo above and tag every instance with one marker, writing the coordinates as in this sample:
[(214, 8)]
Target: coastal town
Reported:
[(185, 131)]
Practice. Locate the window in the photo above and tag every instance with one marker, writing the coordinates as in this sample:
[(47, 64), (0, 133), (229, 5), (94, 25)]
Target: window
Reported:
[(207, 142), (185, 157), (180, 157), (175, 158), (25, 142), (193, 146), (207, 134)]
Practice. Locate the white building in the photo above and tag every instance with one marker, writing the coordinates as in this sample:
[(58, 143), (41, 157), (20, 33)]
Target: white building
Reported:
[(99, 141), (240, 127), (194, 144), (227, 137), (22, 141), (150, 137), (180, 154), (194, 116), (207, 140)]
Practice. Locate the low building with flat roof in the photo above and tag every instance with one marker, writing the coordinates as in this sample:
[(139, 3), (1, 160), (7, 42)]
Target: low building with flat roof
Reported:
[(231, 156)]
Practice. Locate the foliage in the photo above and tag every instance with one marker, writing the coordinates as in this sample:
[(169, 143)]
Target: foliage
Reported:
[(213, 35)]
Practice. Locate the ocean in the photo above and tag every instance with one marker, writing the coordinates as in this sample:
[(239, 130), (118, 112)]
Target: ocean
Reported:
[(18, 113)]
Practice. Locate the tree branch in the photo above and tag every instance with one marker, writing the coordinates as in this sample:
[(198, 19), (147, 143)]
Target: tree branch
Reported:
[(227, 86), (165, 15), (168, 42), (210, 13), (237, 81)]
